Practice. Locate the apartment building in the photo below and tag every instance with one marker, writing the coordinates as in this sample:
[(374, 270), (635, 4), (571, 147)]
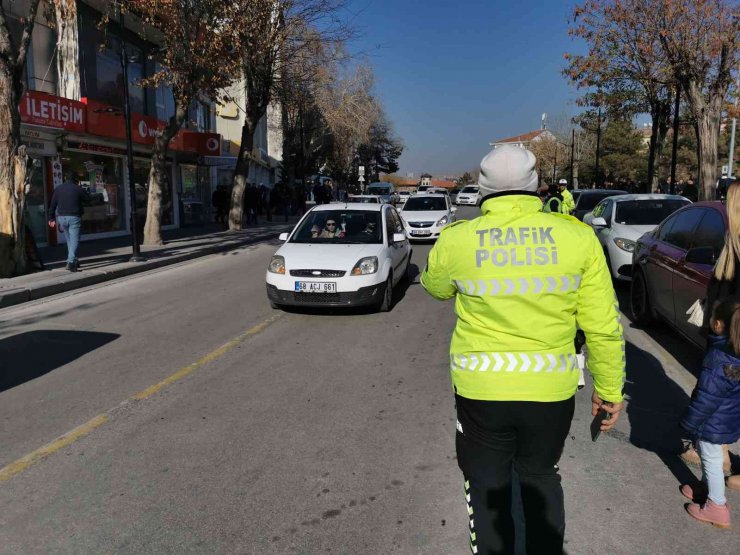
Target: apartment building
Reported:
[(72, 119)]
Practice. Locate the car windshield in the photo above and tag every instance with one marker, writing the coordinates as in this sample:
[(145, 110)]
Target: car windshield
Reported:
[(340, 227), (379, 190), (366, 200), (422, 188), (421, 204), (588, 201), (470, 190), (647, 211)]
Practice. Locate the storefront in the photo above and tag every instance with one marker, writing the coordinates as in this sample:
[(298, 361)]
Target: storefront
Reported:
[(88, 138)]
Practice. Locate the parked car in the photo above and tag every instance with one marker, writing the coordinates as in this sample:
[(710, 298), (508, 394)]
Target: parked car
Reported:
[(340, 255), (384, 190), (425, 215), (366, 199), (673, 264), (587, 199), (422, 188), (470, 195), (621, 220), (403, 196), (438, 191)]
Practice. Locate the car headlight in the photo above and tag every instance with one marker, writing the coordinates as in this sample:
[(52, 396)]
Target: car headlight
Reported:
[(365, 266), (277, 265), (443, 221), (625, 244)]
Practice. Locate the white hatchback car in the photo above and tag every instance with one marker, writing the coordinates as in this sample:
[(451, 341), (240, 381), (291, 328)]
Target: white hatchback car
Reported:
[(341, 255), (470, 195), (425, 215), (619, 221)]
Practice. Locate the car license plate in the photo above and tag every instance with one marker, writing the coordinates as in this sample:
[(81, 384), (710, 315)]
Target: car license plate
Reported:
[(420, 232), (315, 287)]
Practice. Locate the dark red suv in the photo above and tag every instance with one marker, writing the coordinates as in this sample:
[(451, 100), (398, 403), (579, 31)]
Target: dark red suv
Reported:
[(672, 266)]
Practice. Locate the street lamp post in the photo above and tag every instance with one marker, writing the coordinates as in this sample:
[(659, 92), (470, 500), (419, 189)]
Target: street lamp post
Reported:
[(674, 148), (598, 147), (136, 256)]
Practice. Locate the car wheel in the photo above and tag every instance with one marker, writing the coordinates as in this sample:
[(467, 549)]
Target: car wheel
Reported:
[(640, 306), (387, 302)]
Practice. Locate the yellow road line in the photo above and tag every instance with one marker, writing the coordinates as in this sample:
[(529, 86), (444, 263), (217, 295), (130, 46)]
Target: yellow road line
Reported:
[(71, 437), (21, 464)]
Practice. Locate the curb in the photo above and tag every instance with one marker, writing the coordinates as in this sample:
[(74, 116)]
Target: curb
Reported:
[(72, 281)]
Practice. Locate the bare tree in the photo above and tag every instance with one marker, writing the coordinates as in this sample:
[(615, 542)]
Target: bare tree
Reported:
[(14, 162), (191, 34), (700, 39), (278, 31)]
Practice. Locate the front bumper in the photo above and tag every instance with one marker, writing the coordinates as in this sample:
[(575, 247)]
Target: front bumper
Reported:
[(362, 297), (466, 201), (621, 263), (430, 233)]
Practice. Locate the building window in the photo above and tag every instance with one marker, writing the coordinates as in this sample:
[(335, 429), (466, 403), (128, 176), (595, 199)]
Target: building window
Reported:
[(110, 75), (163, 98), (41, 62)]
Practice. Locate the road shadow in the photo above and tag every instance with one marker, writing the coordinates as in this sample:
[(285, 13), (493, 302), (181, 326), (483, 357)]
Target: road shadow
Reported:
[(655, 406), (32, 354)]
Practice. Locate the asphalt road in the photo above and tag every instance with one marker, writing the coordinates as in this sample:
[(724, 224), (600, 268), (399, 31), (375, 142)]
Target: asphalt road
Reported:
[(300, 432)]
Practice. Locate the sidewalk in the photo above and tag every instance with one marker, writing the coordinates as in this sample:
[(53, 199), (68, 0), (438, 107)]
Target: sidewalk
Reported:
[(107, 259)]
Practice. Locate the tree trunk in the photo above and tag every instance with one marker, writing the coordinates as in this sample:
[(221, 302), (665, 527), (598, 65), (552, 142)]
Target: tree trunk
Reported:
[(68, 68), (157, 174), (14, 178), (707, 116), (241, 173)]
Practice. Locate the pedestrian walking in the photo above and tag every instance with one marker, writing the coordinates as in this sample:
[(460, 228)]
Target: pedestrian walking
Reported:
[(67, 206), (568, 204), (251, 201), (722, 185), (515, 383), (220, 200), (713, 416)]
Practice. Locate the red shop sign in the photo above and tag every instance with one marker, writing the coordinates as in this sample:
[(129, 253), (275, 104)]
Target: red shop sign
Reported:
[(47, 110), (204, 144), (107, 121)]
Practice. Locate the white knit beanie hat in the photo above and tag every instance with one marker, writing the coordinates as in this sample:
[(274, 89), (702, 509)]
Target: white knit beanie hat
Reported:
[(507, 168)]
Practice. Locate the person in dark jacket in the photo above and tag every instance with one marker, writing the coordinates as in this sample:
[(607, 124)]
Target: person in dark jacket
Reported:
[(66, 210), (713, 416)]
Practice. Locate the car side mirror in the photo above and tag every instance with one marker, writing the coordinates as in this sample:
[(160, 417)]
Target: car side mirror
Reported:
[(283, 237), (701, 255), (453, 209), (399, 237), (599, 222)]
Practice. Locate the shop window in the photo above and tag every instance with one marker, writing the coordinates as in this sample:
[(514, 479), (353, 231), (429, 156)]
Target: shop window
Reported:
[(36, 205), (102, 178), (141, 183)]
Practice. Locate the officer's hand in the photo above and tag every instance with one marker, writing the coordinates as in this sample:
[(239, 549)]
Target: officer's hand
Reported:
[(614, 409), (52, 224)]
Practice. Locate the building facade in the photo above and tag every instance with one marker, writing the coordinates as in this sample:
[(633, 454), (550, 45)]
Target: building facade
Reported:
[(72, 120)]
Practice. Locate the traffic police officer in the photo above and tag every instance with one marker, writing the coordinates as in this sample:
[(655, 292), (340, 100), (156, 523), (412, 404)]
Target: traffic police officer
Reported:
[(523, 282), (568, 204)]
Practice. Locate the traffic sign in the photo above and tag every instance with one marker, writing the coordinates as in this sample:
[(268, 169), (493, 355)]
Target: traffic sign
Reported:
[(361, 179), (361, 170)]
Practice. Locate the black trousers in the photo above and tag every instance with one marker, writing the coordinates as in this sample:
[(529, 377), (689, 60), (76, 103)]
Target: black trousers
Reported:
[(493, 439)]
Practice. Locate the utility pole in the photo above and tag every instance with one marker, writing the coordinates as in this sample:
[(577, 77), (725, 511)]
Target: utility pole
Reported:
[(674, 153), (598, 146), (731, 160), (136, 256), (572, 154)]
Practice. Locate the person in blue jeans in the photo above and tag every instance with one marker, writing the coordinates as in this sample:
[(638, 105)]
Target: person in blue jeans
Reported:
[(66, 211), (713, 416)]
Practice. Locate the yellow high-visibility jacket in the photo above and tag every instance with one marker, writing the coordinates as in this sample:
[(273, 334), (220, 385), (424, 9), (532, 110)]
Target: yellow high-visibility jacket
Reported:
[(523, 281), (568, 204)]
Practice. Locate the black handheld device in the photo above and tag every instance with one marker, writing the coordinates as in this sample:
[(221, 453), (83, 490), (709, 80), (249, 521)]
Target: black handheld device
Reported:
[(596, 423)]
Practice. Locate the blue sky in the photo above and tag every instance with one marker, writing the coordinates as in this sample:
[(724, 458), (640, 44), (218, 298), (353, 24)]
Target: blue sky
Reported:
[(456, 74)]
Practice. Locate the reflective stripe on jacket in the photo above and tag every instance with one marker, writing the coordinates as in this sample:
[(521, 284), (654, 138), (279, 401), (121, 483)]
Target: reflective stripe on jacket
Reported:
[(523, 281)]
